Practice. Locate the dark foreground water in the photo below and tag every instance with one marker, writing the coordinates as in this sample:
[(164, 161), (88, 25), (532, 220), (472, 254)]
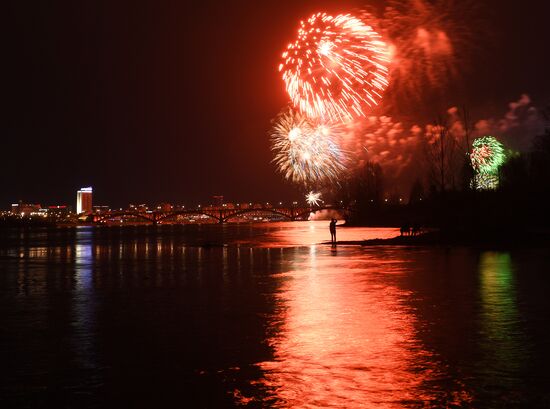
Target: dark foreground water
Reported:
[(261, 316)]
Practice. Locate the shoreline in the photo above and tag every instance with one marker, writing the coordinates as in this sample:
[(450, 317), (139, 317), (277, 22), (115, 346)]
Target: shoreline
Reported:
[(440, 238)]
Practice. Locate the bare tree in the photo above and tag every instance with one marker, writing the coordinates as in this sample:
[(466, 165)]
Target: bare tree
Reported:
[(468, 179), (363, 188), (443, 156)]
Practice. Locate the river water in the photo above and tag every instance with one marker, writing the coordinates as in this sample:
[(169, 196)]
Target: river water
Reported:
[(267, 315)]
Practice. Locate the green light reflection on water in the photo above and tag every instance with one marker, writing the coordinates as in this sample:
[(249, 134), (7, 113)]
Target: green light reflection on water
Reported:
[(502, 347)]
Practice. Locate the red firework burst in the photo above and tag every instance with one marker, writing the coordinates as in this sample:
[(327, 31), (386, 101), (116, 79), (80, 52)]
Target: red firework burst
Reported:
[(337, 67)]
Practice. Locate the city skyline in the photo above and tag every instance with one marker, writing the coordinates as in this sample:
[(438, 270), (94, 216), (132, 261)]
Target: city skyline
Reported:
[(214, 200)]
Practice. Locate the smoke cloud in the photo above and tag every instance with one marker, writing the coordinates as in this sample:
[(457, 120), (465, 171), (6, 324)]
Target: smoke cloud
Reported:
[(518, 126), (399, 147)]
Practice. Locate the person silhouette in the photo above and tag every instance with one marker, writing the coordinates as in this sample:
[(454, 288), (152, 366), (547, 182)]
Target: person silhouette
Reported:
[(332, 228)]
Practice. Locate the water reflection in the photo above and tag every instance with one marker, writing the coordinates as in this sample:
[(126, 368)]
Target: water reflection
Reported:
[(84, 303), (264, 316), (315, 232), (503, 345), (343, 337)]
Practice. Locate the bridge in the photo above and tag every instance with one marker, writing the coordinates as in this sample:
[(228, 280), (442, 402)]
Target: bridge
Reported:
[(220, 214)]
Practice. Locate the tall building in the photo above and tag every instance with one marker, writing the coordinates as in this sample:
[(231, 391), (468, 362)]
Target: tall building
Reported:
[(84, 200)]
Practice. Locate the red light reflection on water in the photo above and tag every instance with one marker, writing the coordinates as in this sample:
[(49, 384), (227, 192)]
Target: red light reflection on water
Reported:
[(285, 234), (344, 337)]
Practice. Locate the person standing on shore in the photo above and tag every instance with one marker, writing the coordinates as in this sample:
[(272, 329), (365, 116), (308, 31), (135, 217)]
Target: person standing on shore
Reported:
[(332, 228)]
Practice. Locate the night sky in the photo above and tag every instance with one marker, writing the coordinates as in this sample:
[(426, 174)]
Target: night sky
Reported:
[(166, 101)]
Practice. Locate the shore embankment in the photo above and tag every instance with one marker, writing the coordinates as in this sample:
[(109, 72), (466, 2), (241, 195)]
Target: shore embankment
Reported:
[(531, 238)]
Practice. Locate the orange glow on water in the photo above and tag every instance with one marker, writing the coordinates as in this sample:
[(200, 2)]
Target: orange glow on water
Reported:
[(344, 337)]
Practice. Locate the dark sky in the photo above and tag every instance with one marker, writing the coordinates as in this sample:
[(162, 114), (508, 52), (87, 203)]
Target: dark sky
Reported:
[(171, 101)]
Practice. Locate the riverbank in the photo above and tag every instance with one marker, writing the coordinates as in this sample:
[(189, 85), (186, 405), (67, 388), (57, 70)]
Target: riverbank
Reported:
[(463, 238)]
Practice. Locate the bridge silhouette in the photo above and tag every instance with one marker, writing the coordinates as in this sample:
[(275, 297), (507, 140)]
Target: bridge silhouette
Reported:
[(221, 214)]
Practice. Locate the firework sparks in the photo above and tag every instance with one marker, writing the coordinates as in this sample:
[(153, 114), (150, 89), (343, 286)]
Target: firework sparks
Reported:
[(487, 155), (427, 41), (336, 67), (313, 198), (305, 151), (484, 182)]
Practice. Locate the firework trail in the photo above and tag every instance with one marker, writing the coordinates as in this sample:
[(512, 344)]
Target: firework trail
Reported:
[(306, 151), (336, 67)]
